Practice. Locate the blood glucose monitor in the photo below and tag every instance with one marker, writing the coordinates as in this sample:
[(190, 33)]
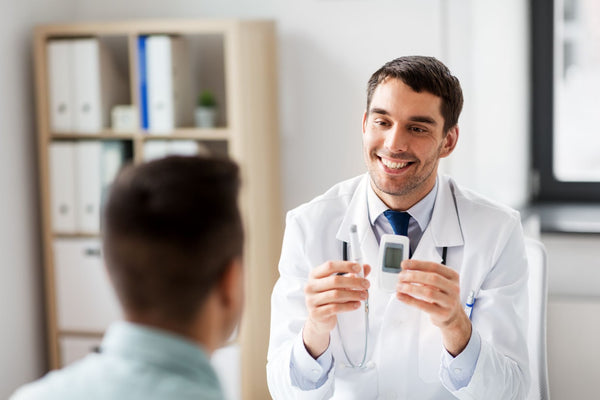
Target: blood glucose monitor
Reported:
[(393, 249)]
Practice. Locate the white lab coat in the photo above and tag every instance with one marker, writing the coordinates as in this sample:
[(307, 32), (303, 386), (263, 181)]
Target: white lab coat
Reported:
[(485, 245)]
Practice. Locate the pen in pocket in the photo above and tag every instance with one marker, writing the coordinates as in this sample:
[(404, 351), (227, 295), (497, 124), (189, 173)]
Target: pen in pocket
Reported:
[(470, 303)]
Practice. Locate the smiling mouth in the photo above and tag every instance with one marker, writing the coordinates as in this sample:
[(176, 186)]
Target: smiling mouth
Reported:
[(394, 165)]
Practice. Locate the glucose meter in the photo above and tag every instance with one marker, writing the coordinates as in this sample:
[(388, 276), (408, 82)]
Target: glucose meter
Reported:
[(393, 249)]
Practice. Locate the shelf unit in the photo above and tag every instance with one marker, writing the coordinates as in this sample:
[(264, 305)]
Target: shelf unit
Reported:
[(244, 78)]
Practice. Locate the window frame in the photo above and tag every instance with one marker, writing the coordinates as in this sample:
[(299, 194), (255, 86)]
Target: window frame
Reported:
[(546, 188)]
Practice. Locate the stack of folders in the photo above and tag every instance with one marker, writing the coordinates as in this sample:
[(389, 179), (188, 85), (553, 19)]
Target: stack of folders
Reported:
[(83, 83), (166, 98), (80, 175)]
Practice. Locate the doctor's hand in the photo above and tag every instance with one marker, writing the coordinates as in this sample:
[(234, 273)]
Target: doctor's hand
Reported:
[(434, 288), (328, 293)]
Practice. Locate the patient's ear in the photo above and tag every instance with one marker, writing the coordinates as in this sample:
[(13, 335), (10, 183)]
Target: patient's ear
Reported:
[(231, 288)]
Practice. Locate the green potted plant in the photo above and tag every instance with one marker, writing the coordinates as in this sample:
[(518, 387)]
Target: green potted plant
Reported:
[(206, 110)]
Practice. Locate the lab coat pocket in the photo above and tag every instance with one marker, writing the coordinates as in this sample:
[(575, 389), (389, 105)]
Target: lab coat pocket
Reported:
[(430, 350)]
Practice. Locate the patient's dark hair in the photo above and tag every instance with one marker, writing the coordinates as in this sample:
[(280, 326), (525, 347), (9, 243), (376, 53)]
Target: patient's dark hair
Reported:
[(423, 74), (170, 229)]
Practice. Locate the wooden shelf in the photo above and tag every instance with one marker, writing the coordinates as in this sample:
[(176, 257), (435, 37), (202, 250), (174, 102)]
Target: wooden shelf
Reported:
[(87, 334), (236, 60), (177, 134)]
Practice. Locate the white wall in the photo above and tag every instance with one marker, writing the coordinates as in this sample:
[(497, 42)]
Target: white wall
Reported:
[(22, 339), (488, 48)]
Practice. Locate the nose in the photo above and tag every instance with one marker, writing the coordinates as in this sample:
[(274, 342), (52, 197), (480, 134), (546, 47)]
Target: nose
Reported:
[(396, 140)]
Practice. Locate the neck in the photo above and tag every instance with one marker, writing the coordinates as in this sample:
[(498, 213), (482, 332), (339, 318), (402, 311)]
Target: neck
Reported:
[(406, 201), (205, 329)]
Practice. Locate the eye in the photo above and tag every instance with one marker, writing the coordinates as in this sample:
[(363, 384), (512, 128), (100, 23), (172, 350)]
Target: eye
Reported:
[(417, 129), (380, 122)]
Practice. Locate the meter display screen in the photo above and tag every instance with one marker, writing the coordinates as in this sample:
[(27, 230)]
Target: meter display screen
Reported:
[(393, 256)]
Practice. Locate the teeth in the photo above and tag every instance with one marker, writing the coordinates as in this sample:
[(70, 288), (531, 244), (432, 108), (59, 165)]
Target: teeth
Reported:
[(393, 165)]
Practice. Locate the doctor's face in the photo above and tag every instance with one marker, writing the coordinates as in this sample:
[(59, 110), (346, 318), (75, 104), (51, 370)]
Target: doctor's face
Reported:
[(403, 141)]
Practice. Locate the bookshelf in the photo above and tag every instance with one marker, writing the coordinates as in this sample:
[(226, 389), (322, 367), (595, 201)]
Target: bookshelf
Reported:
[(236, 60)]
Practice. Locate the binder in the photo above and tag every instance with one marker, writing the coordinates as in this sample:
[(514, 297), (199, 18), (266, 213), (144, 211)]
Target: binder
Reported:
[(183, 147), (85, 298), (142, 74), (60, 90), (170, 102), (62, 186), (97, 85), (88, 186), (154, 149), (86, 81)]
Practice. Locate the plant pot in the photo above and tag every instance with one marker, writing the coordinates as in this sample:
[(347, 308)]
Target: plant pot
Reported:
[(206, 117)]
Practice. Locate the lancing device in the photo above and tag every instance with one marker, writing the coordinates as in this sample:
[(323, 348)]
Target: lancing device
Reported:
[(355, 248)]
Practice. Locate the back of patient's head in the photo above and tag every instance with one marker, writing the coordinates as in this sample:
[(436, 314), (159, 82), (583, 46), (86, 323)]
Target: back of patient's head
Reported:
[(171, 229)]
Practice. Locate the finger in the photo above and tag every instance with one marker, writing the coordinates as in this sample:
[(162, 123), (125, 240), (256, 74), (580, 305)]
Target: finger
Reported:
[(367, 269), (428, 279), (334, 267), (429, 294), (336, 297), (330, 310), (333, 282), (425, 306), (429, 266)]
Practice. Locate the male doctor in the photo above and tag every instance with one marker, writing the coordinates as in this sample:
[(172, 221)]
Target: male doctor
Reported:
[(420, 341)]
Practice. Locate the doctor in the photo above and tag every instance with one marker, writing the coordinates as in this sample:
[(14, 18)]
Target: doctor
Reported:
[(421, 342)]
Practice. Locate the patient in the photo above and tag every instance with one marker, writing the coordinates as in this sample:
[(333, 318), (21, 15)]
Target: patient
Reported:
[(173, 243)]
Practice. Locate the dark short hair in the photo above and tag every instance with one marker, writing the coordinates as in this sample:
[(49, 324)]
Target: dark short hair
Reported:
[(423, 74), (170, 228)]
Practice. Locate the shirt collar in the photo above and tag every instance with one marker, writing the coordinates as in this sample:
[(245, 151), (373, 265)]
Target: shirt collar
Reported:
[(157, 347), (421, 212)]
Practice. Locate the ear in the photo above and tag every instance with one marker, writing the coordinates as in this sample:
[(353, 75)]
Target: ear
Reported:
[(364, 122), (231, 286), (450, 141)]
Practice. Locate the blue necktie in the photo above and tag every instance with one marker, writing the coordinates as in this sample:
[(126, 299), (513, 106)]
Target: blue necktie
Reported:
[(399, 221)]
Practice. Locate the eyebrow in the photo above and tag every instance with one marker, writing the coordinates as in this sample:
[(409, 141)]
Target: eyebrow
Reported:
[(415, 118)]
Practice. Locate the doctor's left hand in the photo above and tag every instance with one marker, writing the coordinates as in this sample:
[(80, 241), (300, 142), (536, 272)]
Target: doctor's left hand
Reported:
[(434, 288)]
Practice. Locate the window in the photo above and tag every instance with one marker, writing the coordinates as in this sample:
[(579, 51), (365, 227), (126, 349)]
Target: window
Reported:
[(566, 99)]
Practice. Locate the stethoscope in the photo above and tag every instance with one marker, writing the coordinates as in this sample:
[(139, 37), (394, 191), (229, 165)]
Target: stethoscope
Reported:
[(362, 363)]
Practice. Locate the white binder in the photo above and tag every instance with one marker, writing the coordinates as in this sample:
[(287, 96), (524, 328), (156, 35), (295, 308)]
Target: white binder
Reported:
[(86, 81), (170, 101), (62, 186), (60, 96), (88, 185), (86, 301), (154, 149), (183, 147)]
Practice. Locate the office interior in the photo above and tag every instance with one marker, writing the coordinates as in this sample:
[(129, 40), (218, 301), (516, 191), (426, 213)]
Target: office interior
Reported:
[(326, 50)]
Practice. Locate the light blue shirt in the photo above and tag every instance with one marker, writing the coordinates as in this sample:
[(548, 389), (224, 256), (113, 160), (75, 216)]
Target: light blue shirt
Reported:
[(455, 372), (136, 362)]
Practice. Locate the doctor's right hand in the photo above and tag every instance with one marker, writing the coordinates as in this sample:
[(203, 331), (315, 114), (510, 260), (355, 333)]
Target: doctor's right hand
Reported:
[(333, 287)]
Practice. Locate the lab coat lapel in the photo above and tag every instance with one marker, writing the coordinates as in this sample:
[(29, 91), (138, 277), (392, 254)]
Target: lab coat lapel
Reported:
[(444, 228)]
